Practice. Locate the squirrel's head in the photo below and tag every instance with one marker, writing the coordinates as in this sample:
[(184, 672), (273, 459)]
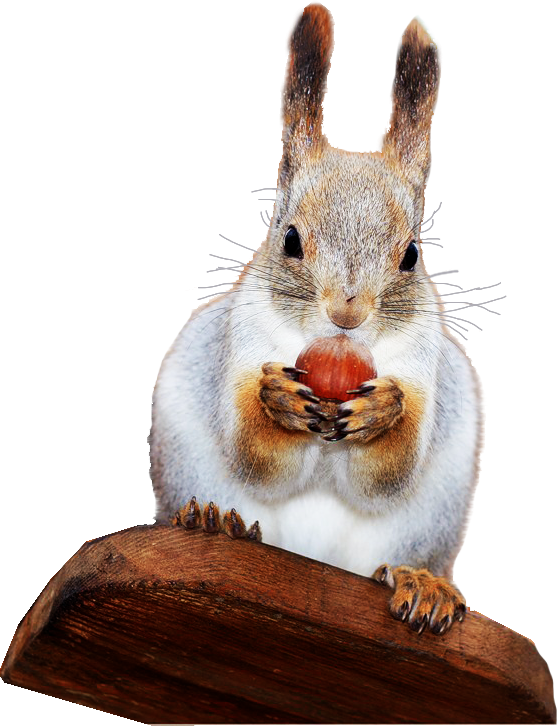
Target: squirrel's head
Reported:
[(344, 238)]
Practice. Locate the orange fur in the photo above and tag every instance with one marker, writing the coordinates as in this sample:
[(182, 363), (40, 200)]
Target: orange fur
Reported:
[(422, 599), (264, 450), (382, 465)]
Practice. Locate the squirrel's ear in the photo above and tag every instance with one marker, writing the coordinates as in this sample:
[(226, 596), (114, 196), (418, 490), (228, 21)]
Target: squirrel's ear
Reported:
[(311, 45), (414, 95)]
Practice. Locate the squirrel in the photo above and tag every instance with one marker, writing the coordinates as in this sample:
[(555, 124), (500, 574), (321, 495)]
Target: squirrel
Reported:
[(383, 486)]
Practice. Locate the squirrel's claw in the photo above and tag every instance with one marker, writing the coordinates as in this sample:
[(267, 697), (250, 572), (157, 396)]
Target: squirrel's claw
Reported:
[(422, 599), (254, 532), (317, 412), (191, 517), (335, 435), (340, 427), (363, 389), (314, 426), (378, 407), (291, 370), (233, 525), (211, 518), (288, 402), (308, 396)]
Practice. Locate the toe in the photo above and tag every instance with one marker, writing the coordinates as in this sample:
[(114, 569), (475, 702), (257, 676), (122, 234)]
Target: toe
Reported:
[(422, 599), (189, 516), (211, 518), (233, 525), (254, 532), (384, 575)]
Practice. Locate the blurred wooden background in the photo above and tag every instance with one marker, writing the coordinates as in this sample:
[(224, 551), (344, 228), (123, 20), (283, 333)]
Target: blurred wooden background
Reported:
[(60, 429)]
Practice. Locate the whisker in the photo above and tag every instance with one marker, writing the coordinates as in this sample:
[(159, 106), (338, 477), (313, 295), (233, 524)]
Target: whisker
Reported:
[(238, 244)]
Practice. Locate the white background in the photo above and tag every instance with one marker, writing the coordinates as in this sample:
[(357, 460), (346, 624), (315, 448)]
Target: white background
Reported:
[(79, 180)]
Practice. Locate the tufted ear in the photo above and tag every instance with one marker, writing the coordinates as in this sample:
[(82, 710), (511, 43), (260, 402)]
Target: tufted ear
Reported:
[(311, 46), (414, 95)]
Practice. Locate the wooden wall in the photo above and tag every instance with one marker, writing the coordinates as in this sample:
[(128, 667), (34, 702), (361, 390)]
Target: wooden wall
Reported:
[(60, 429)]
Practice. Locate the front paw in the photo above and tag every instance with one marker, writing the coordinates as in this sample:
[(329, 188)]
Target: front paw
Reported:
[(378, 407), (422, 599), (208, 517), (289, 403)]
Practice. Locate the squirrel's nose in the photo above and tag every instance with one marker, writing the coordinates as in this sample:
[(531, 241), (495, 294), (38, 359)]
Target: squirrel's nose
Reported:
[(347, 312)]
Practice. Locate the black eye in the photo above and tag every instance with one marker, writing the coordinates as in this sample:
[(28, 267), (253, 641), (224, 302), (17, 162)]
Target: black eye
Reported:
[(292, 245), (410, 258)]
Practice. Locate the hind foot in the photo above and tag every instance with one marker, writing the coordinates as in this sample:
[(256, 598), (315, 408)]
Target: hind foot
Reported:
[(421, 599), (190, 516)]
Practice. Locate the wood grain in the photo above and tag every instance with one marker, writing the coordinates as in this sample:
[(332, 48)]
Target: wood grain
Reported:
[(20, 706), (161, 625)]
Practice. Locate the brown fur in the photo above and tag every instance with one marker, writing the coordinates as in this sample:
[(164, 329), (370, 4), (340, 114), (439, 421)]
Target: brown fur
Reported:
[(264, 450), (188, 516), (347, 312), (422, 599), (414, 95), (211, 519), (389, 459), (310, 247), (355, 215), (311, 46)]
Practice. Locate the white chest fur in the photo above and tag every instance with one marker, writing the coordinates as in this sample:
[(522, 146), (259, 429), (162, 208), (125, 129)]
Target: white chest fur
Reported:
[(318, 524)]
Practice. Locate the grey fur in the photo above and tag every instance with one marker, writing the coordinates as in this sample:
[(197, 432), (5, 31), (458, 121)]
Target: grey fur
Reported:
[(359, 211)]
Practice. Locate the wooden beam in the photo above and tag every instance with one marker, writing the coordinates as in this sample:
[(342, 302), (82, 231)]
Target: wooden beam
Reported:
[(21, 706), (162, 625)]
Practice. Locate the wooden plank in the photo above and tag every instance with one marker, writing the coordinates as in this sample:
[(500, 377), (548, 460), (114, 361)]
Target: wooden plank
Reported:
[(180, 20), (531, 565), (21, 706), (161, 625), (60, 431), (18, 706)]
